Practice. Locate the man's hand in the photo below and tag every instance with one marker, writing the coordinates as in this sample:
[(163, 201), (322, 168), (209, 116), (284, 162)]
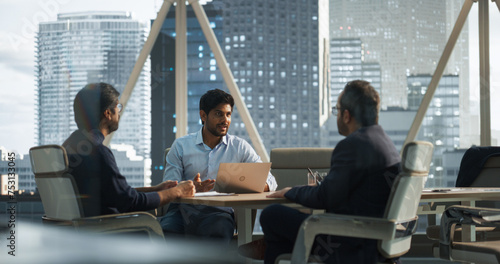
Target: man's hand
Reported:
[(165, 185), (280, 193), (203, 186), (183, 189), (186, 189)]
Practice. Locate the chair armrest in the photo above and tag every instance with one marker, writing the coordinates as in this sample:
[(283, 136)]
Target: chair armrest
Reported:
[(119, 223), (162, 210), (344, 225), (463, 215)]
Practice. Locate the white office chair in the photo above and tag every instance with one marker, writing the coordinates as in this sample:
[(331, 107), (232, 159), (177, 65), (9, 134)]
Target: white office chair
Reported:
[(394, 230), (61, 199)]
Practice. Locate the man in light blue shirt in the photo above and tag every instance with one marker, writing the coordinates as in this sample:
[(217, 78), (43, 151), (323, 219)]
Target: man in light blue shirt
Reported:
[(197, 157)]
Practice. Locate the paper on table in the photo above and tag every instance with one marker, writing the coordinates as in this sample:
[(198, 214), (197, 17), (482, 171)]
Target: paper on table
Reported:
[(212, 193), (441, 190)]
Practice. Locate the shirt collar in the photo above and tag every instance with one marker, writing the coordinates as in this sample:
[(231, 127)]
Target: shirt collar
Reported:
[(199, 138)]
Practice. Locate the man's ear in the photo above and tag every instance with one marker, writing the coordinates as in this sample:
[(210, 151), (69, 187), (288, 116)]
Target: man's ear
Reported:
[(346, 116), (203, 116), (107, 114)]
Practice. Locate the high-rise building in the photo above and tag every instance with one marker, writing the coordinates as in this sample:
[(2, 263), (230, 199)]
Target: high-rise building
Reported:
[(441, 122), (346, 57), (395, 121), (347, 63), (372, 73), (451, 166), (406, 38), (136, 169), (278, 54), (87, 47), (203, 75), (24, 179)]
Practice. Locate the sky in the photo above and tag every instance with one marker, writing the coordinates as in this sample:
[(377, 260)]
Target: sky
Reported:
[(20, 19)]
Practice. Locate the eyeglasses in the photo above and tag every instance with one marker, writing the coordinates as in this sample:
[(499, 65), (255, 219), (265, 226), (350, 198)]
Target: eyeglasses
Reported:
[(336, 110), (120, 107)]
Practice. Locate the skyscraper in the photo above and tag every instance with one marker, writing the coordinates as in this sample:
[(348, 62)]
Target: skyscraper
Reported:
[(346, 57), (87, 47), (441, 122), (203, 75), (405, 37), (347, 63), (278, 54)]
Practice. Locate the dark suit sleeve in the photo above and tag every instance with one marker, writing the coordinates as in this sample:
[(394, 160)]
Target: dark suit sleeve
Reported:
[(117, 193), (336, 185)]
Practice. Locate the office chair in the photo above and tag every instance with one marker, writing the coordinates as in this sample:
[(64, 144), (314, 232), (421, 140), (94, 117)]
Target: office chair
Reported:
[(479, 167), (394, 230), (481, 252), (62, 201)]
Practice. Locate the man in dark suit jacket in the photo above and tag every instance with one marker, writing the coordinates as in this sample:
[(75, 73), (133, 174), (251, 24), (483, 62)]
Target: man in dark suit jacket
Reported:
[(103, 189), (363, 167)]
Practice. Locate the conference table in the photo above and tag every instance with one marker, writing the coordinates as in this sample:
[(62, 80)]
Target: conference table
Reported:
[(244, 203)]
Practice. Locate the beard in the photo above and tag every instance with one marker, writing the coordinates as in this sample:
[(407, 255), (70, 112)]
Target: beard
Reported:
[(341, 127), (113, 126), (213, 130)]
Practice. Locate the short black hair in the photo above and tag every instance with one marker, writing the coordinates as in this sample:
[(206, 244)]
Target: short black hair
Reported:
[(213, 98), (91, 102), (362, 101)]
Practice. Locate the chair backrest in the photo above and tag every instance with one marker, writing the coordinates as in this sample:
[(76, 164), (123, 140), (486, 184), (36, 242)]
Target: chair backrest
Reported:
[(489, 176), (57, 188), (162, 210), (405, 197), (475, 160), (289, 165)]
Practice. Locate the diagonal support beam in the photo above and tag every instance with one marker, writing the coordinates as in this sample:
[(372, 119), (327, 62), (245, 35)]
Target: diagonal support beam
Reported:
[(143, 55), (438, 73), (181, 89), (484, 72), (228, 78)]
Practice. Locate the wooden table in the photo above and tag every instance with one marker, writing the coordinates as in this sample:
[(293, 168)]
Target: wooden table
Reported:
[(244, 203), (466, 195)]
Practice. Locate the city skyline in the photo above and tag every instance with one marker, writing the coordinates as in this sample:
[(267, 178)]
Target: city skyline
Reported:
[(91, 47), (276, 53), (17, 64)]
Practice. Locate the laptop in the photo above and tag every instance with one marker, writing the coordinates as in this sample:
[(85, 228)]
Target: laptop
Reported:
[(242, 177)]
